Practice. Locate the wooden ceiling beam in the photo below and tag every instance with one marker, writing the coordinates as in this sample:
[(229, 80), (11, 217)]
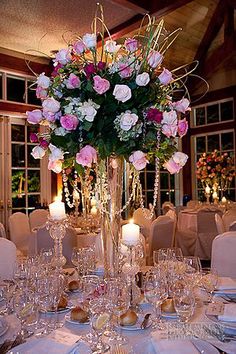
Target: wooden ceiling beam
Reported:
[(219, 56), (213, 28)]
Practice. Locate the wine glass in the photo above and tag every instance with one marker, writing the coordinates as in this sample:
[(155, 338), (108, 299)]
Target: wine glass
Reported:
[(209, 281), (75, 258), (156, 292), (193, 269), (24, 307), (184, 303)]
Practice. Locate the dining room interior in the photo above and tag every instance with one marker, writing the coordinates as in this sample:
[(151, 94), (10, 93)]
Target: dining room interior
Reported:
[(117, 176)]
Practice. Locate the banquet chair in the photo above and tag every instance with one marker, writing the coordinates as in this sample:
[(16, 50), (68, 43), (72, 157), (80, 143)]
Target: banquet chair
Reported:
[(44, 241), (2, 231), (7, 258), (219, 224), (232, 227), (166, 206), (172, 214), (207, 231), (161, 234), (19, 229), (223, 254), (38, 218), (139, 218), (229, 217), (193, 204)]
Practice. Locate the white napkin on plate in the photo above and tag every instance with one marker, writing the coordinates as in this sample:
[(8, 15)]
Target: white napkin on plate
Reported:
[(166, 346), (229, 313), (226, 283)]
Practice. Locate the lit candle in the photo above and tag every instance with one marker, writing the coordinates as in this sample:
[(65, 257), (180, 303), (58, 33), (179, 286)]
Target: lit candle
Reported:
[(57, 209), (214, 195), (93, 202), (224, 200), (94, 210), (130, 234), (208, 190)]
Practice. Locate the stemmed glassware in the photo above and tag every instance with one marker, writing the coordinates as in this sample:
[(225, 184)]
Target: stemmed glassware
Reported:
[(184, 303), (193, 269), (209, 281), (25, 308), (156, 292)]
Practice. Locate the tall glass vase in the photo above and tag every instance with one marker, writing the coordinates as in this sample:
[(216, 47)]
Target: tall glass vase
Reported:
[(111, 188)]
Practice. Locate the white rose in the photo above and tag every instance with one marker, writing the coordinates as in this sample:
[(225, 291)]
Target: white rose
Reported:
[(63, 56), (55, 166), (43, 81), (51, 105), (111, 46), (142, 79), (90, 40), (169, 118), (128, 120), (89, 112), (38, 152), (56, 153), (122, 93), (60, 131), (180, 158)]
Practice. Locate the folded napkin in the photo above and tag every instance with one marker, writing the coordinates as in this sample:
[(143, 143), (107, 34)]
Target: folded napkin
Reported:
[(226, 283), (3, 323), (79, 348), (229, 314), (166, 346)]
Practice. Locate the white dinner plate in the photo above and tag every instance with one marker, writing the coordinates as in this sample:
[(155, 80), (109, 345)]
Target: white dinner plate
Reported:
[(170, 315), (226, 324), (66, 309), (77, 323), (4, 326), (137, 326)]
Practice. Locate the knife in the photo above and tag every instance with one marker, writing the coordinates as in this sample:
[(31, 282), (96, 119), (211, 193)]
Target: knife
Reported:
[(145, 321)]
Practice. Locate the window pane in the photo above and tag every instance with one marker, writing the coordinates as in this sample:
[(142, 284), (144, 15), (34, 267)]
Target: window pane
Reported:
[(172, 197), (164, 197), (227, 141), (200, 116), (150, 180), (18, 155), (213, 142), (142, 180), (32, 99), (150, 167), (32, 162), (213, 113), (226, 111), (22, 210), (33, 181), (172, 181), (0, 86), (15, 89), (149, 198), (34, 201), (201, 144), (17, 132), (164, 181)]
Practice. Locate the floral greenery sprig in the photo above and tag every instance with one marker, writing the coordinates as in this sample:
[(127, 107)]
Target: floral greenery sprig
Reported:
[(114, 100), (215, 167)]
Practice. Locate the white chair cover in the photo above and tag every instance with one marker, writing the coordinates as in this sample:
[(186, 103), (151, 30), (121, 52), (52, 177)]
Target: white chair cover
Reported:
[(207, 231), (161, 234), (38, 218), (144, 222), (44, 241), (232, 227), (219, 224), (193, 204), (229, 217), (166, 206), (7, 258), (223, 254), (20, 231), (172, 214), (2, 231)]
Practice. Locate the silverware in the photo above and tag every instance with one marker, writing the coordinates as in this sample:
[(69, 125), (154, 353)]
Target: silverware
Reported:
[(145, 321)]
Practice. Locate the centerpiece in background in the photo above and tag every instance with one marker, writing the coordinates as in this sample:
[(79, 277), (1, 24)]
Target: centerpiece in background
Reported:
[(106, 103), (215, 170)]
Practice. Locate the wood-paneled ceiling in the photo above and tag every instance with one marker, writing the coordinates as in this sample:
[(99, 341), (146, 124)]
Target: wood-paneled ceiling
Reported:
[(207, 35)]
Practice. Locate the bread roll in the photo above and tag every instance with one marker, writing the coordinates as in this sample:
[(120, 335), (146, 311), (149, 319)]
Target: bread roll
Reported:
[(78, 314), (73, 285), (129, 318), (62, 303), (168, 306)]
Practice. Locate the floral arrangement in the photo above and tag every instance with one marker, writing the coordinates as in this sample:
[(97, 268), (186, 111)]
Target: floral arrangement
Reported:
[(215, 167), (117, 99)]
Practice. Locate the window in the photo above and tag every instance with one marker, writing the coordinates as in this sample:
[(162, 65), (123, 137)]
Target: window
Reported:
[(212, 113), (16, 88)]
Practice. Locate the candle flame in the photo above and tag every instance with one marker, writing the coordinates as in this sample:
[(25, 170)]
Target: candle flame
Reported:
[(57, 198), (131, 221)]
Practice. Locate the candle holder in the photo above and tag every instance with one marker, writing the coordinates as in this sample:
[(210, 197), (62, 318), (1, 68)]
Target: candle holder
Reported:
[(208, 194), (57, 231)]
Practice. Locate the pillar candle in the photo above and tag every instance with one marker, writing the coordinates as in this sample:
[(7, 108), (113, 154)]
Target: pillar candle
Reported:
[(130, 234), (57, 210), (224, 200), (208, 190)]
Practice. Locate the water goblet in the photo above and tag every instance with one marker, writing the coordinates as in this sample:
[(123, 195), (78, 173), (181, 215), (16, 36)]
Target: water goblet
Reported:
[(100, 317), (184, 303), (209, 281), (193, 269), (24, 308)]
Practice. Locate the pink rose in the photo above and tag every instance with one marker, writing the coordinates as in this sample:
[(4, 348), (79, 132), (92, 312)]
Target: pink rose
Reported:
[(100, 85), (51, 105), (49, 116), (154, 58), (169, 130), (176, 162), (172, 166), (38, 152), (125, 70), (86, 156), (44, 143), (63, 56), (56, 68), (182, 127), (72, 82), (55, 165), (182, 105), (79, 47), (101, 65), (89, 69), (33, 138), (131, 44), (154, 115), (139, 160), (34, 117), (43, 81), (69, 122), (41, 92), (165, 77)]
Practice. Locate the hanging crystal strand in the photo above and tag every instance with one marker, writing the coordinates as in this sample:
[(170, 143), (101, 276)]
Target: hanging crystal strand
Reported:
[(66, 190)]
